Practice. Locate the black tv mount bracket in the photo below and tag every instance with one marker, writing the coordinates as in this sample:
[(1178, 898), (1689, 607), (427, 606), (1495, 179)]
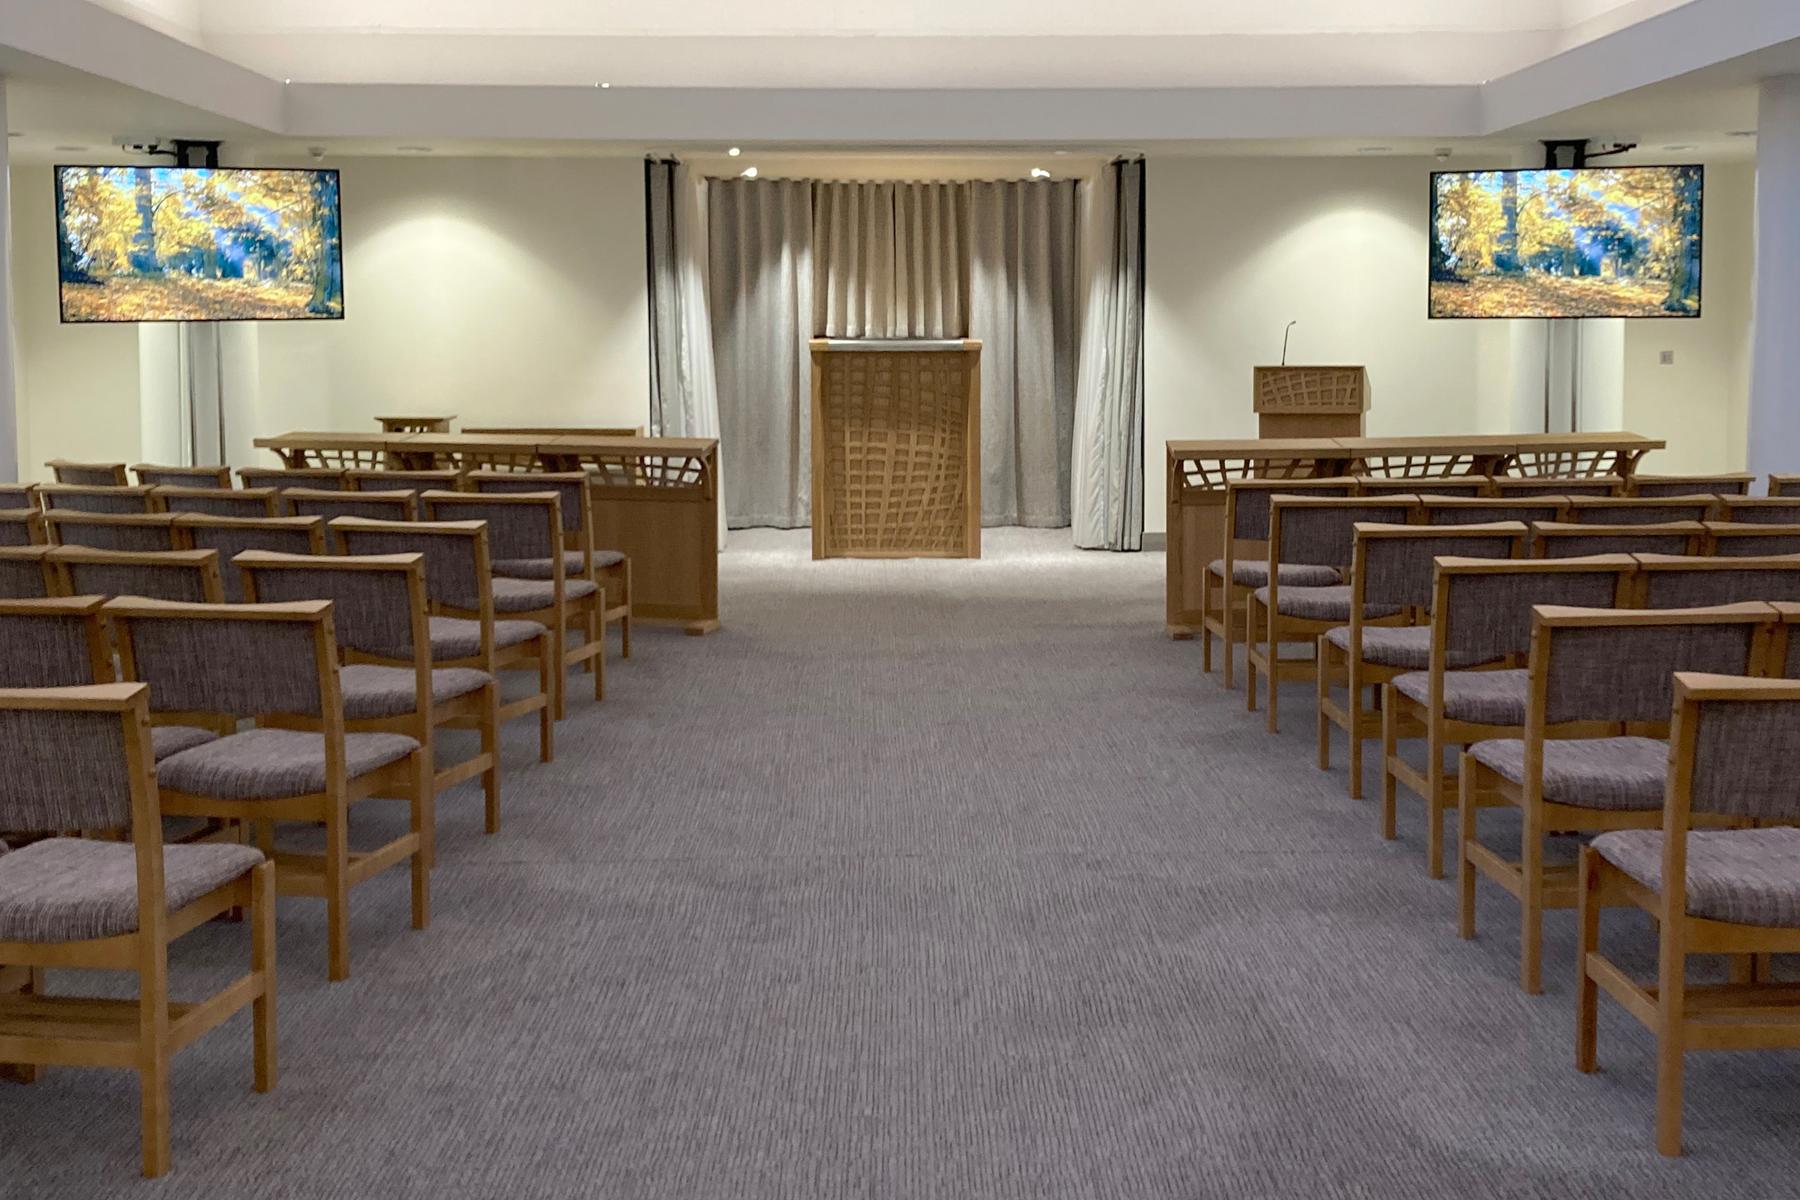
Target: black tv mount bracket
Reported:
[(1564, 153), (187, 152)]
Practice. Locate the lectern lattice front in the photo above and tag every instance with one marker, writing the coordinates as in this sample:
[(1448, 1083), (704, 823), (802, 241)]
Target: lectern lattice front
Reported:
[(896, 435)]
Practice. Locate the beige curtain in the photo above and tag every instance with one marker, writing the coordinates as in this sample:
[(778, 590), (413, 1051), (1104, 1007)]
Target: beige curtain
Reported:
[(931, 260), (1109, 423), (853, 260)]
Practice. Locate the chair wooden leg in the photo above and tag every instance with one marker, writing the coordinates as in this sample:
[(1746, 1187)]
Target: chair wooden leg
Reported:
[(1531, 903), (1466, 814), (1390, 746), (428, 754), (337, 892), (1322, 673), (1206, 637), (1273, 675), (546, 714), (597, 639), (558, 642), (262, 965), (1230, 638), (625, 621), (26, 1073), (1249, 652), (422, 772), (1353, 704), (1434, 808), (1671, 1058), (153, 1058), (1587, 942), (490, 746)]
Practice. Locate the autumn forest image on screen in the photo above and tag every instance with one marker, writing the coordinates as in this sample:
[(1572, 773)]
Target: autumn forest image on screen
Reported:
[(1587, 242), (198, 244)]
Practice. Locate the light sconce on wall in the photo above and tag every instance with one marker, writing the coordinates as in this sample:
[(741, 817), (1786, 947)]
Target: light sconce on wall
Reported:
[(747, 173)]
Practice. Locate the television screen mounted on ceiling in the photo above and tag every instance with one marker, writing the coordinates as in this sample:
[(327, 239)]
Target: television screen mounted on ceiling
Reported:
[(198, 244), (1569, 243)]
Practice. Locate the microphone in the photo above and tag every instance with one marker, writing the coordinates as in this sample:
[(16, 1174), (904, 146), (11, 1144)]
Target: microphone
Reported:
[(1284, 339)]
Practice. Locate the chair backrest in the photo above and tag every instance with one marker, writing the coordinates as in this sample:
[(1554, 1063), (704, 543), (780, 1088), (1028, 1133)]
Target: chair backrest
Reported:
[(112, 531), (1730, 540), (231, 536), (25, 573), (365, 480), (1321, 530), (1247, 501), (1556, 539), (1640, 510), (1397, 564), (1590, 664), (456, 555), (1784, 485), (521, 525), (1761, 510), (319, 479), (1730, 753), (75, 497), (1484, 605), (1548, 485), (18, 495), (1691, 581), (1486, 510), (1471, 486), (79, 757), (221, 502), (155, 475), (187, 575), (378, 601), (21, 527), (88, 473), (1787, 664), (375, 506), (231, 660), (58, 642), (571, 488), (1734, 484)]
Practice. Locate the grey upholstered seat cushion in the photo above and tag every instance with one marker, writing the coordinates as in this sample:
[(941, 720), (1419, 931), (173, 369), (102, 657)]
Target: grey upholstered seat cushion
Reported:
[(70, 889), (540, 568), (173, 739), (1475, 697), (1620, 773), (371, 690), (529, 595), (1407, 647), (1322, 603), (1254, 573), (268, 764), (460, 637), (1746, 876)]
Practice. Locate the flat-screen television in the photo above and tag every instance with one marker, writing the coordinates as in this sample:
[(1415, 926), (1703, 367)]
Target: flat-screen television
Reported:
[(198, 244), (1582, 242)]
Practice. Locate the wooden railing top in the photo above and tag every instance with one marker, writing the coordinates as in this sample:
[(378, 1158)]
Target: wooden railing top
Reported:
[(1360, 447), (564, 444)]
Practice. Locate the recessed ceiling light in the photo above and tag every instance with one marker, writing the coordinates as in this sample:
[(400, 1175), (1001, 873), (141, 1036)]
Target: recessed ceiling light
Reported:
[(286, 81), (1682, 146), (71, 149), (735, 151), (603, 86), (413, 149), (1374, 149), (1059, 152), (1741, 133), (747, 173), (1039, 173)]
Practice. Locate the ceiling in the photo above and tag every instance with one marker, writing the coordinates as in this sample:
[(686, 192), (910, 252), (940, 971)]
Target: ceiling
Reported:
[(879, 43)]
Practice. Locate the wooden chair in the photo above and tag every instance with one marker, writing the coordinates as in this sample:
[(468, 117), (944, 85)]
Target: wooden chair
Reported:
[(1228, 581), (388, 682), (463, 628), (1475, 689), (231, 536), (1556, 539), (1488, 510), (1784, 485), (1469, 486), (1392, 567), (90, 474), (191, 576), (18, 495), (80, 757), (319, 479), (277, 663), (112, 531), (25, 573), (1640, 510), (1733, 484), (373, 506), (1730, 540), (22, 527), (220, 502), (73, 497), (1693, 581), (610, 570), (1592, 758), (1312, 531), (1712, 891), (157, 475), (529, 525), (1760, 510), (365, 480), (1547, 485)]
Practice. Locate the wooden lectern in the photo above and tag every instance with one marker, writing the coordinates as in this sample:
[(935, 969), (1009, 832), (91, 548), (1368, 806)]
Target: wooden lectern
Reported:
[(896, 448), (1311, 402)]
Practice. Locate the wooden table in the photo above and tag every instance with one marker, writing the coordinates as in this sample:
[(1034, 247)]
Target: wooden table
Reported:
[(654, 499), (1198, 472)]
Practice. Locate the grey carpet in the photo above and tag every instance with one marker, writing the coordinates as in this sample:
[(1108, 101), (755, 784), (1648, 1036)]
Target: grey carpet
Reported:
[(920, 880)]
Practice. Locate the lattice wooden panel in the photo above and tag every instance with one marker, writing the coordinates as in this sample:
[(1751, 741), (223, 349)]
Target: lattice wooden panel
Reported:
[(1310, 390), (1212, 474), (342, 458), (1565, 464), (896, 454), (1419, 466), (670, 472)]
